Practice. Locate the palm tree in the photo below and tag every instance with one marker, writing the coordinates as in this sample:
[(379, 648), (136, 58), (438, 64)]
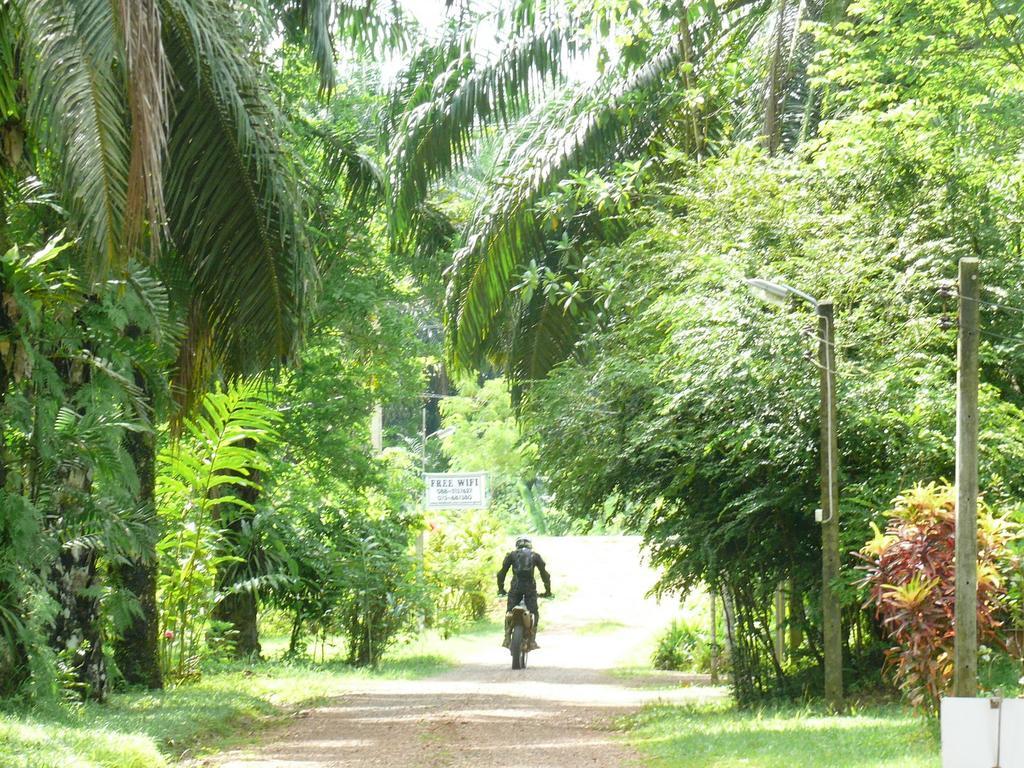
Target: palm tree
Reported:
[(454, 94), (163, 145)]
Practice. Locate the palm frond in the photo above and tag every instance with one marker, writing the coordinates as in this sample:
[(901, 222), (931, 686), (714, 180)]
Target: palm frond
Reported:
[(594, 128), (542, 336), (8, 65), (348, 163), (231, 198), (79, 103), (148, 84), (464, 98), (615, 120), (364, 25), (777, 51), (412, 84)]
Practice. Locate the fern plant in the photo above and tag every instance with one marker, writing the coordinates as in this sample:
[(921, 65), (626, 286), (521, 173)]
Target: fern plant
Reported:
[(198, 478)]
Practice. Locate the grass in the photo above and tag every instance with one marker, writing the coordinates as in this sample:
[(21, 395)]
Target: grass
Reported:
[(717, 735), (153, 729), (601, 627)]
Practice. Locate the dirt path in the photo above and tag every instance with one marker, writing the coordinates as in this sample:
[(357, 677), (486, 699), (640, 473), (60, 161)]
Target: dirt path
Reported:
[(481, 714)]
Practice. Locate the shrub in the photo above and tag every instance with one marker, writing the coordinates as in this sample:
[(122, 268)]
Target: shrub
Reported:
[(378, 597), (687, 648), (460, 562), (910, 578), (201, 479)]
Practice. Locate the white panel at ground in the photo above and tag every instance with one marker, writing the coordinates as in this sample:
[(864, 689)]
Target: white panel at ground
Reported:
[(971, 731), (1012, 750)]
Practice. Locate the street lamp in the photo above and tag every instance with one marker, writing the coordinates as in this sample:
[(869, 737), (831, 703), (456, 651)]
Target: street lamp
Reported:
[(778, 293), (782, 294)]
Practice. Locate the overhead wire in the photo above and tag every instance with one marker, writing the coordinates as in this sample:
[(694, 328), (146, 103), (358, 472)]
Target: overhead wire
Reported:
[(921, 315), (995, 335), (1009, 307), (838, 347), (996, 305)]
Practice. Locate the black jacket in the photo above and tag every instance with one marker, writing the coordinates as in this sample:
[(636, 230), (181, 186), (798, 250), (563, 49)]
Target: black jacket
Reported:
[(522, 578)]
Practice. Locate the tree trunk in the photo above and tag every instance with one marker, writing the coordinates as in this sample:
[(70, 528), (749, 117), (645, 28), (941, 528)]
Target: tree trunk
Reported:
[(238, 609), (77, 635), (6, 358), (771, 132), (797, 620), (296, 635), (137, 650), (690, 82)]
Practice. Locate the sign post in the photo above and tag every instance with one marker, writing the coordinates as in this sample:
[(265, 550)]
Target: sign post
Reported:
[(455, 490)]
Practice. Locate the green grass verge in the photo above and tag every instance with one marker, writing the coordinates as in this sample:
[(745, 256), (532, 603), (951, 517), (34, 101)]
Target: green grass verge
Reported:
[(153, 729), (601, 627), (717, 735)]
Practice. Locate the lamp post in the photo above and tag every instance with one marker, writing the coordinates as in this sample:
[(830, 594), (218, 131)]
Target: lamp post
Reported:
[(782, 294)]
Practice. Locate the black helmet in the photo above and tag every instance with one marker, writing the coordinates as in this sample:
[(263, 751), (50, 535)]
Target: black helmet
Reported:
[(524, 541)]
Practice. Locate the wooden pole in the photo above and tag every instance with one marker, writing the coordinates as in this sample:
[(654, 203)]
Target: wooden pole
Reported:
[(831, 613), (714, 638), (780, 624), (965, 641), (377, 428), (796, 613), (421, 536)]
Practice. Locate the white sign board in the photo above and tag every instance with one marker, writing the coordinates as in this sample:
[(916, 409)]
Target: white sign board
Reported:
[(982, 733), (456, 490)]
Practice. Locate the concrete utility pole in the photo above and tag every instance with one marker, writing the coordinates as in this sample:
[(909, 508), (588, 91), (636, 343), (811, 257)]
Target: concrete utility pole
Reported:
[(965, 620), (781, 294), (830, 609)]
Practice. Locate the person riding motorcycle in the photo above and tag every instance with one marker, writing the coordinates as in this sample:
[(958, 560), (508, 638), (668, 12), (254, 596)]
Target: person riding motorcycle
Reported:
[(522, 561)]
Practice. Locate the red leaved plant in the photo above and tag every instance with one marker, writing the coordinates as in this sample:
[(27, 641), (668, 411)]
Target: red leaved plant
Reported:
[(910, 577)]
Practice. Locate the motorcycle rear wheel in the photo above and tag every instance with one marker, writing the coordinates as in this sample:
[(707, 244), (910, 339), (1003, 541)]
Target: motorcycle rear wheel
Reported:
[(518, 647)]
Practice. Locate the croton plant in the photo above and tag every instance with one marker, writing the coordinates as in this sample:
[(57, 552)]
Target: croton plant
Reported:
[(910, 578)]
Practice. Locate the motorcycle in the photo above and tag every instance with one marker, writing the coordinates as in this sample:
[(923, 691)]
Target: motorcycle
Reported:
[(521, 637), (520, 626)]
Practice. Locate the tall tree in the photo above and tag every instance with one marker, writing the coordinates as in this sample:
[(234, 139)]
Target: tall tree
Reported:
[(193, 171), (665, 83)]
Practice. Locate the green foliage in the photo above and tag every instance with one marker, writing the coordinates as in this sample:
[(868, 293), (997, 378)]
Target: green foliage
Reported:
[(68, 397), (911, 583), (459, 560), (352, 551), (688, 407), (376, 599), (696, 76), (482, 434), (686, 647), (198, 488), (607, 225)]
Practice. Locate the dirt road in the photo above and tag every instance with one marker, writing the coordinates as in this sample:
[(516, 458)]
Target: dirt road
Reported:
[(481, 714)]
